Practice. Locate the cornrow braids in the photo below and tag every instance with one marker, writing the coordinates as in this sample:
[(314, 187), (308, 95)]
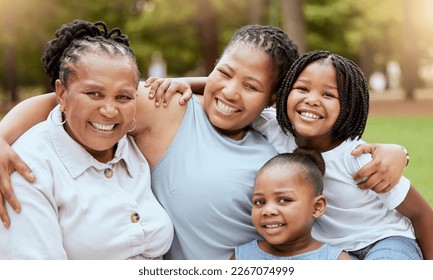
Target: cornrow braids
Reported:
[(276, 44), (352, 91), (74, 39), (307, 161)]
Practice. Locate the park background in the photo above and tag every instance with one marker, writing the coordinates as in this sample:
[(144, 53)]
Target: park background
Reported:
[(391, 40)]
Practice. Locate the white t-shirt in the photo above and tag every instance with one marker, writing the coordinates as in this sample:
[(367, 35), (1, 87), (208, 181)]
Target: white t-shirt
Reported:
[(354, 218)]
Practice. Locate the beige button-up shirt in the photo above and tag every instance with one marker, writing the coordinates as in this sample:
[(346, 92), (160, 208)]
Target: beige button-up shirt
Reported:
[(80, 208)]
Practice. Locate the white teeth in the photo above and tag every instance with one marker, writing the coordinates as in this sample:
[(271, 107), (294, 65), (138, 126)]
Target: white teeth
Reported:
[(225, 108), (273, 226), (103, 127), (310, 115)]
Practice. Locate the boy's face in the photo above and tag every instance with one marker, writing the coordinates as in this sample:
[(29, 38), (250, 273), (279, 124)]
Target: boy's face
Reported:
[(283, 206), (238, 89), (313, 105)]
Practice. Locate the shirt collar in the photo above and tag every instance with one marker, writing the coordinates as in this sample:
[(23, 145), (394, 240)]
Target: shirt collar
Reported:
[(76, 159)]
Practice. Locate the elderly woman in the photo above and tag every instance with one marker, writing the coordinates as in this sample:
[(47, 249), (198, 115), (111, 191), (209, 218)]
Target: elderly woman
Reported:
[(92, 197)]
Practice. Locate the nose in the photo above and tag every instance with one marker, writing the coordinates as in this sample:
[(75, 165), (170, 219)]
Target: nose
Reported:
[(311, 99), (269, 210), (231, 90), (109, 109)]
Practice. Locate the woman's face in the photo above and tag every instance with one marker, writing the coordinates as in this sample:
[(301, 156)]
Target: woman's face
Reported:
[(99, 102), (238, 89)]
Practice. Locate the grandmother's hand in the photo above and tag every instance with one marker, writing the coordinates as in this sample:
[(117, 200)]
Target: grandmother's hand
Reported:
[(10, 162)]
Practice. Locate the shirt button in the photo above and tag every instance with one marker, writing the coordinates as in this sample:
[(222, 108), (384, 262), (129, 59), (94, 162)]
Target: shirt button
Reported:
[(135, 217), (108, 173)]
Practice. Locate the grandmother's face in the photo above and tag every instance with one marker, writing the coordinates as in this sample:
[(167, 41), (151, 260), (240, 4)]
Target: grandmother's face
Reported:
[(99, 102)]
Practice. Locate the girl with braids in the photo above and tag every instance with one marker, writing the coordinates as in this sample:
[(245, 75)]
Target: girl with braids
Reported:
[(323, 103), (92, 197), (287, 200), (203, 156)]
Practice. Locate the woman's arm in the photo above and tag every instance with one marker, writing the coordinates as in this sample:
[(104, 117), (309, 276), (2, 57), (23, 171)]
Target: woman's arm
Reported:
[(384, 171), (417, 209), (17, 121)]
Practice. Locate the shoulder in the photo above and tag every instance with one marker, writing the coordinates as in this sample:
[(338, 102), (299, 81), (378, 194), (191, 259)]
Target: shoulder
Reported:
[(148, 116)]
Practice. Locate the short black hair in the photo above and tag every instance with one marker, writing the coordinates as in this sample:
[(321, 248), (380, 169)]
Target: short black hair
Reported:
[(273, 40), (74, 39)]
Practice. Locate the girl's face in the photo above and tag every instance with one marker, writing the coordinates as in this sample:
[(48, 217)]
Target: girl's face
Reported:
[(238, 89), (284, 208), (313, 105), (99, 102)]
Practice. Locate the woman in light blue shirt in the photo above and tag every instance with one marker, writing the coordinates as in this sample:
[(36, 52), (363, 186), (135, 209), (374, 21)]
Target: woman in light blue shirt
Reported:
[(92, 197)]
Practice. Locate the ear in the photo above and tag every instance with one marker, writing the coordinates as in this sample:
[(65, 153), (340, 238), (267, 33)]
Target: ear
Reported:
[(319, 206), (60, 93)]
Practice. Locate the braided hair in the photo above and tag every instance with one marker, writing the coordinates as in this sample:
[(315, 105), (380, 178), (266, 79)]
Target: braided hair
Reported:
[(276, 44), (352, 89), (79, 37), (307, 161)]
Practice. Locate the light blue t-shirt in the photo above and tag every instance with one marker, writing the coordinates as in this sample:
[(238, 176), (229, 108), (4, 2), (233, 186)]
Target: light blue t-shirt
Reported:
[(205, 181), (252, 251)]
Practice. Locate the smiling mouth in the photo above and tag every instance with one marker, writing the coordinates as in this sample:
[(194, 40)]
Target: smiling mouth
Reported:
[(272, 226), (226, 108), (310, 115), (103, 127)]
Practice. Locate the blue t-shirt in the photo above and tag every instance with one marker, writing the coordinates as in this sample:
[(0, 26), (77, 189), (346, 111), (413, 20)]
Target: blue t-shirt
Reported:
[(205, 181), (252, 251)]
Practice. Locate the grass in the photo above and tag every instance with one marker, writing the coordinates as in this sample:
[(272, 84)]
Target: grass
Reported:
[(416, 135)]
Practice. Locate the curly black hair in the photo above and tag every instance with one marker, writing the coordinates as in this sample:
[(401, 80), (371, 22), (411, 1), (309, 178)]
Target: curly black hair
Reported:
[(308, 162), (352, 91), (277, 44), (74, 39)]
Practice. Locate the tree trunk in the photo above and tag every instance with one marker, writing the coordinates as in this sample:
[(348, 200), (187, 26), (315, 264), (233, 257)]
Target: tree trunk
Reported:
[(410, 50), (294, 22), (207, 33), (11, 73)]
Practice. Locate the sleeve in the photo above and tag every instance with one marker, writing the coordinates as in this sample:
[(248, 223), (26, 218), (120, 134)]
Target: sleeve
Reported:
[(390, 199), (34, 233), (267, 125)]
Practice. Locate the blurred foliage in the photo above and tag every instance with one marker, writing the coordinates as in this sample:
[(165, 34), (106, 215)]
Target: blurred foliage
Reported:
[(367, 31)]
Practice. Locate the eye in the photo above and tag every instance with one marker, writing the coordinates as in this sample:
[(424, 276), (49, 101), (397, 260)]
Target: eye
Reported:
[(302, 89), (94, 94), (224, 73), (124, 98), (329, 95), (284, 200), (250, 87), (259, 202)]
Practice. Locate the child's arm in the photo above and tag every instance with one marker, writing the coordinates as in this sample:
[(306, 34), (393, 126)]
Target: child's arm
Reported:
[(384, 171), (17, 121), (417, 209)]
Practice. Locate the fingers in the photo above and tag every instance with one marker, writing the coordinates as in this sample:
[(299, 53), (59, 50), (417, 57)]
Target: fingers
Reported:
[(364, 149), (6, 192), (366, 171), (185, 96), (3, 213)]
